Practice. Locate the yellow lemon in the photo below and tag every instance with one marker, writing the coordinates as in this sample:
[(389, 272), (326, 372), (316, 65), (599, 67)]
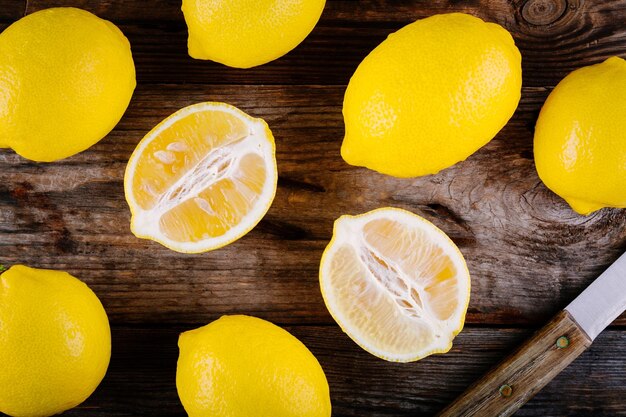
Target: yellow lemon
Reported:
[(202, 178), (246, 33), (55, 342), (395, 283), (66, 78), (580, 139), (430, 95), (241, 366)]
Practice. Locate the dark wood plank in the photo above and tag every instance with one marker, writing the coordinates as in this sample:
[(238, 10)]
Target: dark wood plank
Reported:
[(11, 10), (336, 10), (554, 39), (118, 10), (528, 253), (141, 378)]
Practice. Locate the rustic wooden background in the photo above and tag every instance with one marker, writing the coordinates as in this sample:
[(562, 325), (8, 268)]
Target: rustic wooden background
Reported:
[(528, 253)]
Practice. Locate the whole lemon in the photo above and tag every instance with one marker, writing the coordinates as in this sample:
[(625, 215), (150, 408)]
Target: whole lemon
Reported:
[(241, 366), (580, 144), (246, 33), (430, 95), (55, 342), (66, 78)]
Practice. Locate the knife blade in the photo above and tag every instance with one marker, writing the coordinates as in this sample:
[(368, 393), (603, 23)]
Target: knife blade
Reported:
[(508, 386), (603, 301)]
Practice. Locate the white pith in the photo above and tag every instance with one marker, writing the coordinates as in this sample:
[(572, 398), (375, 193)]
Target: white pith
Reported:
[(407, 293), (221, 162)]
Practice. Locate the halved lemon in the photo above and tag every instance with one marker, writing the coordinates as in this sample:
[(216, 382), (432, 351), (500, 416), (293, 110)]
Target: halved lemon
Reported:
[(202, 178), (395, 283)]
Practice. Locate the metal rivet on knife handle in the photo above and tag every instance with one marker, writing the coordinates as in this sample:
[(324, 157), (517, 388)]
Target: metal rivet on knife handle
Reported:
[(562, 342), (506, 390)]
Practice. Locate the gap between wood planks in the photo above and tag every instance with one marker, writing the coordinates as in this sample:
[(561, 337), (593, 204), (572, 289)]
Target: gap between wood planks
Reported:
[(473, 326)]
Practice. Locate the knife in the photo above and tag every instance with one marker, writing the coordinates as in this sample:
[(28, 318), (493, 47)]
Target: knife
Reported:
[(505, 388)]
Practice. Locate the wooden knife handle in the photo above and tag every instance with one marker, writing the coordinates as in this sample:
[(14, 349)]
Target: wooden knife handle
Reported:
[(509, 385)]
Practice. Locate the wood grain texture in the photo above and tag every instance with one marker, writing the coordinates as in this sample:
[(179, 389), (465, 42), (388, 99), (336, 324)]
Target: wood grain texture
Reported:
[(508, 386), (141, 378), (528, 253), (11, 10)]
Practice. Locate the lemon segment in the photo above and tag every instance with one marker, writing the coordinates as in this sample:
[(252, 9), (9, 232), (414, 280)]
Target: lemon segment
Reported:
[(579, 144), (66, 79), (243, 33), (241, 366), (395, 283), (55, 342), (202, 178), (430, 95)]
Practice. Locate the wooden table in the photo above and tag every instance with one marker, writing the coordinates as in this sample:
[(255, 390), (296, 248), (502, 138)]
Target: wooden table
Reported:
[(528, 253)]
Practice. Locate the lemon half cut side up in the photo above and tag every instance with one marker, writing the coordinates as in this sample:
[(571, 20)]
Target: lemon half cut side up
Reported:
[(202, 178), (395, 283)]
